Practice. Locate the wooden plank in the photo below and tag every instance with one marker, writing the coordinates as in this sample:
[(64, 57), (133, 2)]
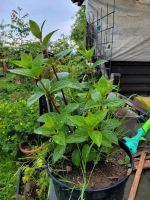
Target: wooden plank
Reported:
[(137, 177)]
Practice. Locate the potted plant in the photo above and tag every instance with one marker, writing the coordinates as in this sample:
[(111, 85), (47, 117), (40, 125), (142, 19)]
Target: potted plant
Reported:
[(84, 158)]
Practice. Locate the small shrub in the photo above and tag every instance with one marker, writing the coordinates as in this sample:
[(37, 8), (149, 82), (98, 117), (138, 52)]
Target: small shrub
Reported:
[(17, 121)]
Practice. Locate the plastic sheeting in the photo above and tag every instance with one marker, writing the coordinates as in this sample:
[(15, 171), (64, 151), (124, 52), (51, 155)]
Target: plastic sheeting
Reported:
[(131, 40)]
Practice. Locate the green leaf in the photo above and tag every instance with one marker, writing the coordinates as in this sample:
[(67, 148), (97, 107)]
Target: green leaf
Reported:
[(76, 158), (38, 61), (106, 142), (99, 62), (96, 137), (127, 159), (82, 66), (104, 86), (110, 136), (71, 107), (49, 122), (96, 96), (120, 162), (124, 161), (82, 53), (69, 83), (79, 136), (58, 120), (58, 152), (92, 120), (34, 97), (86, 85), (93, 155), (63, 53), (41, 118), (60, 138), (77, 120), (85, 152), (89, 53), (114, 102), (42, 25), (47, 84), (42, 130), (91, 104), (37, 65), (23, 72), (34, 28), (26, 60), (47, 38), (18, 63), (110, 124)]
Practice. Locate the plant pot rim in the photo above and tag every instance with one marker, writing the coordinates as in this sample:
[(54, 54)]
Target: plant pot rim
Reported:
[(27, 151), (125, 148)]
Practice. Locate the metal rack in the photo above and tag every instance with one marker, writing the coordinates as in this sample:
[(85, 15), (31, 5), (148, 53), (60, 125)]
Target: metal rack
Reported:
[(99, 31)]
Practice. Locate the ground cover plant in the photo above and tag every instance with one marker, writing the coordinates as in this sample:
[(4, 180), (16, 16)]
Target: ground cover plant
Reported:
[(8, 178)]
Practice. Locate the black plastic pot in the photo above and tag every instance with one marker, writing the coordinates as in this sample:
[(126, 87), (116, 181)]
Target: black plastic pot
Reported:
[(113, 192), (45, 105)]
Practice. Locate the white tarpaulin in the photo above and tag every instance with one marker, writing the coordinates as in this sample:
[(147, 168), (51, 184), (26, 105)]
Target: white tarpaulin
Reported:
[(131, 27)]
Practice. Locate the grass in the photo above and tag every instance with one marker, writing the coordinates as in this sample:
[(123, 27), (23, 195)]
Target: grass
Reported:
[(8, 179), (11, 88)]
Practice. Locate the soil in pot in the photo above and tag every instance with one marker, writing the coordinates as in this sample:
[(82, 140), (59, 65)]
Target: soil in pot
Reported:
[(104, 174), (106, 183)]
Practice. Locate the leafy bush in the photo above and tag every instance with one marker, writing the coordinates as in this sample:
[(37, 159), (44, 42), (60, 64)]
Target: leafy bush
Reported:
[(17, 121), (11, 87), (78, 28)]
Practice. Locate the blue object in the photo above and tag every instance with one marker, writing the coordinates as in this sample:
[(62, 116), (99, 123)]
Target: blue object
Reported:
[(132, 143), (98, 27)]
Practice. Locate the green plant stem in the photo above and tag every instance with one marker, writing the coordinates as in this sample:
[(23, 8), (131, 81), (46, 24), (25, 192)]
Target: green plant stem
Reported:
[(55, 73), (64, 98), (84, 180), (84, 176), (51, 100), (49, 96), (84, 172), (95, 163)]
